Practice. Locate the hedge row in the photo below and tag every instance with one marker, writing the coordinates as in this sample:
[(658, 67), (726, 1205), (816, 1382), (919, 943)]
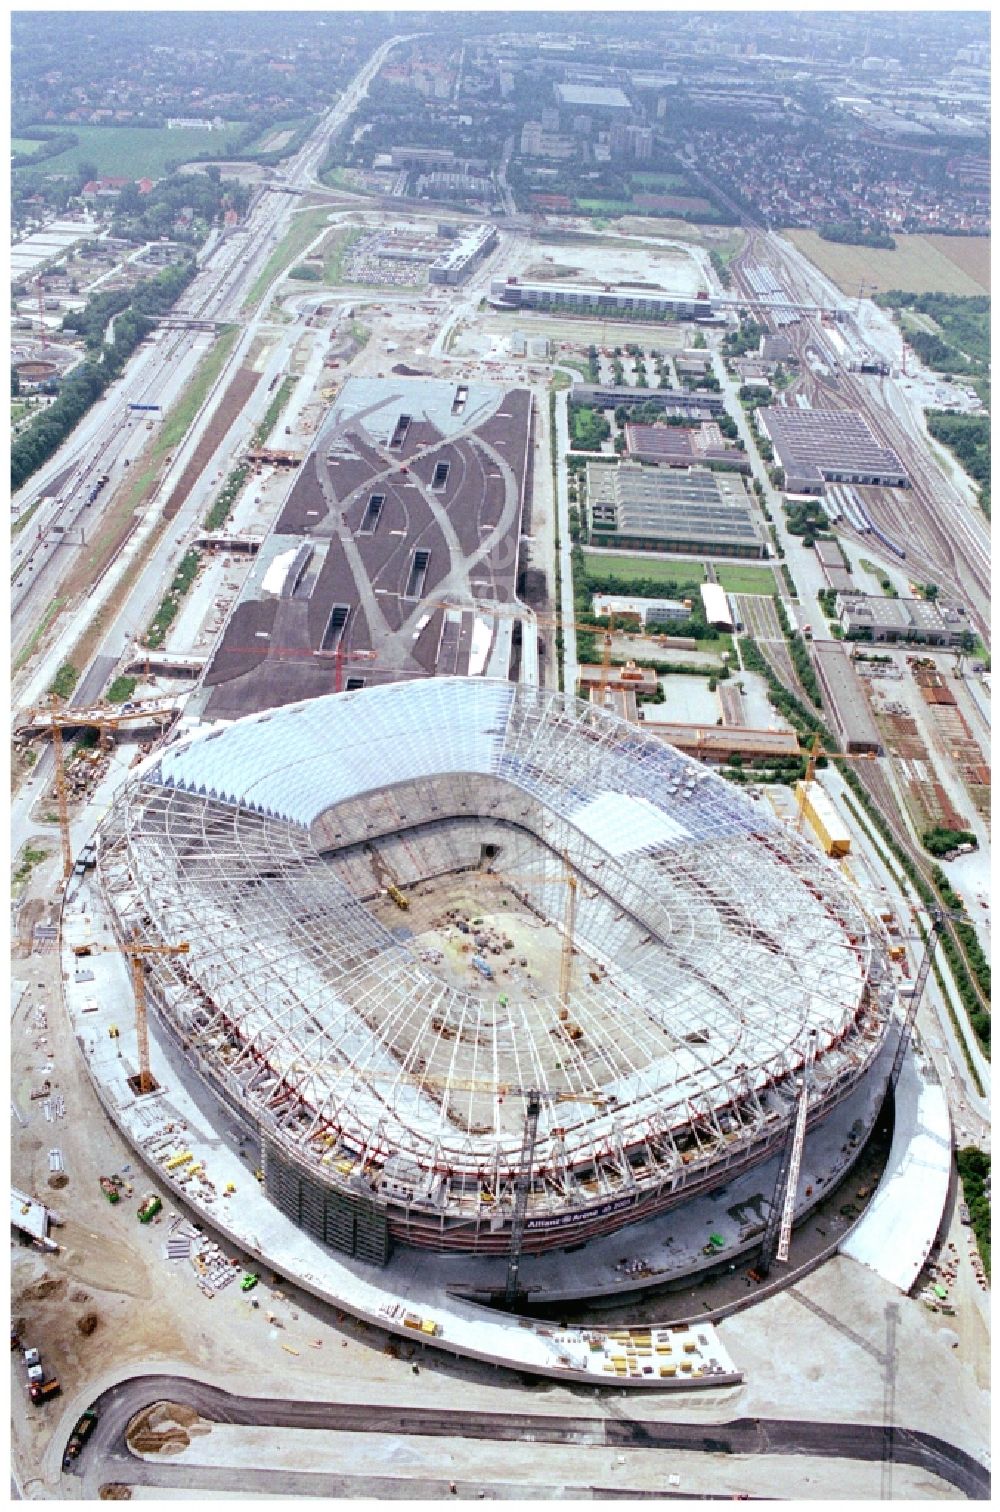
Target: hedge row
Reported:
[(929, 897), (974, 1170), (939, 976)]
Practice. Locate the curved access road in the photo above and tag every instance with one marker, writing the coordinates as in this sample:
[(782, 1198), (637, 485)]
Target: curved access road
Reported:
[(107, 1456)]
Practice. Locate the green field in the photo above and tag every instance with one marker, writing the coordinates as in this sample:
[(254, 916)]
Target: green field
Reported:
[(746, 579), (137, 152), (605, 207), (25, 144), (335, 250), (660, 569), (671, 182), (304, 229), (180, 417)]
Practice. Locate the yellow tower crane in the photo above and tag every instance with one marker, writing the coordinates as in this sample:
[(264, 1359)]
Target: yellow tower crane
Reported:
[(814, 752), (569, 925), (53, 717), (138, 951)]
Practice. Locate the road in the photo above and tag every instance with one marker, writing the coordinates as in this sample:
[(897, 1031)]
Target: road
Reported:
[(107, 1458), (107, 440), (571, 667)]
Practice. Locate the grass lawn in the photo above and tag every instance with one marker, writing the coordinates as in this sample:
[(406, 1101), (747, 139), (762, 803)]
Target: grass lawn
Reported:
[(746, 579), (26, 144), (138, 152), (277, 136), (606, 207), (660, 569), (914, 320), (304, 229), (179, 418), (334, 250), (670, 181), (28, 649)]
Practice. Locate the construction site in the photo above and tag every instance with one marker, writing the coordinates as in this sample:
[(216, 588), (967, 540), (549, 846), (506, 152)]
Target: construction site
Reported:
[(413, 493), (445, 950)]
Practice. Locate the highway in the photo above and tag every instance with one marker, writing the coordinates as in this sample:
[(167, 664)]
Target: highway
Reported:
[(107, 1457), (110, 438)]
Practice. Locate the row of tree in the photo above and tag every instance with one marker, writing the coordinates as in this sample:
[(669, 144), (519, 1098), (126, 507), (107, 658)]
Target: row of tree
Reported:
[(86, 383)]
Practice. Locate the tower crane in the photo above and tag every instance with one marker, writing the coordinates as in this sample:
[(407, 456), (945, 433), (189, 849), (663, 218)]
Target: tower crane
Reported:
[(522, 1189), (570, 881), (569, 925), (777, 1233), (55, 717), (341, 658), (813, 755), (778, 1230), (605, 663), (552, 622), (40, 295), (138, 951), (522, 1185), (939, 920)]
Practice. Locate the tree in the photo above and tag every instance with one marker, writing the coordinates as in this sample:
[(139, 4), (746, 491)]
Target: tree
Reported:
[(129, 201), (931, 592), (15, 383)]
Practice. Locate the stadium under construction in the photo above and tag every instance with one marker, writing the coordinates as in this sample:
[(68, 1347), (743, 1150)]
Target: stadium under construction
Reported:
[(453, 942)]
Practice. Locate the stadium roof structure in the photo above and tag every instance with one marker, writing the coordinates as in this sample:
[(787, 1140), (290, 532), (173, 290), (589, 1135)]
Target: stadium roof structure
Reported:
[(714, 941)]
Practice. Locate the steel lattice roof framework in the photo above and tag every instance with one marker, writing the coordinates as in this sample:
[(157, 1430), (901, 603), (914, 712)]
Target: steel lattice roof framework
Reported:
[(722, 938)]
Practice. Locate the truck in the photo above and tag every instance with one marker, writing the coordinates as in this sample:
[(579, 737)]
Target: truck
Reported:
[(109, 1189), (40, 1392), (85, 1425), (150, 1205)]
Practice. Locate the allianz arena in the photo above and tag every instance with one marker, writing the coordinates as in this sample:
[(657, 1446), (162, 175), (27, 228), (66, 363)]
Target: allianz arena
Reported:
[(411, 906)]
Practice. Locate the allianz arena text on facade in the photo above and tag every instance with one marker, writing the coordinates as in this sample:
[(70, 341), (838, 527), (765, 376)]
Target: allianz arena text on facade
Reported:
[(389, 1102)]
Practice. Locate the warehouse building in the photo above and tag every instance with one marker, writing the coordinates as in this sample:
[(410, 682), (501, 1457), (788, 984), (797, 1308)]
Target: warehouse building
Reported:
[(870, 617), (598, 299), (844, 696), (689, 403), (695, 511), (680, 446), (422, 157), (641, 681), (709, 742), (644, 611), (715, 600), (455, 264), (835, 569), (598, 98), (816, 447)]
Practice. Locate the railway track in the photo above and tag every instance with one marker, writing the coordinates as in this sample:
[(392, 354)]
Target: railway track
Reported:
[(879, 790), (930, 544)]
